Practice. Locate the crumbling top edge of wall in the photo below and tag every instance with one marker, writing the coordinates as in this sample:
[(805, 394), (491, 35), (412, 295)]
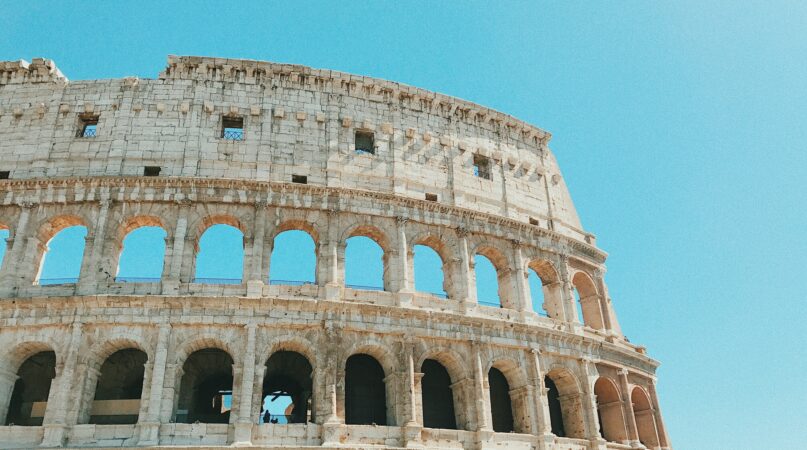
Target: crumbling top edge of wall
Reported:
[(39, 70)]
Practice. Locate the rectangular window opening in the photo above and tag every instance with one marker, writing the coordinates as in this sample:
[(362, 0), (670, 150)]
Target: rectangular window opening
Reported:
[(481, 167), (5, 174), (302, 179), (365, 143), (151, 171), (87, 126), (431, 197), (232, 128), (534, 221)]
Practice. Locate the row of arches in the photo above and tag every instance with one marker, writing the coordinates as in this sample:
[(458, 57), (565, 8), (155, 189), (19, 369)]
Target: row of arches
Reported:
[(205, 394), (219, 257)]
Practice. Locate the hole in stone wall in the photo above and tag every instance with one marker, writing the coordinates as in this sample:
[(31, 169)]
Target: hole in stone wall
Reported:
[(5, 174), (431, 197), (151, 171), (365, 142), (365, 392), (482, 167), (87, 125), (232, 128), (29, 397), (301, 179)]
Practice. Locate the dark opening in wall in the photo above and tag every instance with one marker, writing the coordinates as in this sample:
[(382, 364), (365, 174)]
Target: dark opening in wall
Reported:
[(302, 179), (5, 174), (232, 128), (501, 409), (365, 143), (87, 125), (482, 167), (431, 197), (151, 171), (534, 221), (365, 392)]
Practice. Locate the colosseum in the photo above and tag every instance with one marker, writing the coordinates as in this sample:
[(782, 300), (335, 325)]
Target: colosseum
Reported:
[(101, 360)]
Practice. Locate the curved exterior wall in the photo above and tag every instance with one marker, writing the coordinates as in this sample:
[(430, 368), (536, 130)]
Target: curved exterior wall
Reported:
[(302, 122)]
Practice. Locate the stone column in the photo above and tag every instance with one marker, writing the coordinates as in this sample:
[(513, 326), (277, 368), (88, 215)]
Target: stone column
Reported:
[(483, 418), (243, 422), (255, 277), (331, 361), (589, 404), (174, 261), (14, 261), (467, 288), (93, 250), (567, 293), (55, 420), (149, 427), (543, 419), (627, 405), (664, 440), (412, 428), (523, 299), (599, 279), (330, 277), (404, 284)]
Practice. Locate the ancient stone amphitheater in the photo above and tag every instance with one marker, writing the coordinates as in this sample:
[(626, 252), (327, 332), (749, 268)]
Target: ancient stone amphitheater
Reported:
[(104, 361)]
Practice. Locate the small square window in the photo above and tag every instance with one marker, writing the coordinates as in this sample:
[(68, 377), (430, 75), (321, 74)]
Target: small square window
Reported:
[(232, 128), (302, 179), (534, 221), (431, 197), (365, 143), (87, 126), (5, 174), (151, 171), (481, 167)]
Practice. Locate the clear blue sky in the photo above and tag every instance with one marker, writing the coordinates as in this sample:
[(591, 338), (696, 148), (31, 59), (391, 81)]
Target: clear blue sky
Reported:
[(680, 128)]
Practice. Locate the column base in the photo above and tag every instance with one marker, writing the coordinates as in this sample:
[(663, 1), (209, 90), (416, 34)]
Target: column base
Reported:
[(332, 433), (54, 436), (483, 436), (411, 435), (333, 292), (242, 435), (254, 288), (406, 298), (170, 287), (598, 443), (148, 434)]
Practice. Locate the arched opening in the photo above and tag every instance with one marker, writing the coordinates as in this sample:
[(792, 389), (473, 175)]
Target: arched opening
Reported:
[(609, 411), (437, 397), (365, 392), (569, 419), (555, 411), (142, 255), (588, 300), (501, 408), (287, 389), (119, 388), (429, 271), (220, 257), (206, 390), (29, 398), (294, 259), (487, 282), (364, 264), (64, 252), (645, 418), (4, 235), (536, 293)]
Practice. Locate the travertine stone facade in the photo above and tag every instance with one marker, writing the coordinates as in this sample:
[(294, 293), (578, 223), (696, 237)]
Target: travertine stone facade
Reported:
[(417, 187)]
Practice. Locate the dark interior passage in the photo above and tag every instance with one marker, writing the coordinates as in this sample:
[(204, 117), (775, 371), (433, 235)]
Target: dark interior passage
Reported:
[(500, 407), (288, 379), (555, 411), (438, 400), (30, 394), (205, 393), (120, 381), (365, 393)]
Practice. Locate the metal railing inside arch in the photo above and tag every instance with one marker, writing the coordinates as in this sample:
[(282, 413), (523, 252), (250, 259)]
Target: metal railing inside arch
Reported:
[(57, 281), (217, 280), (290, 282)]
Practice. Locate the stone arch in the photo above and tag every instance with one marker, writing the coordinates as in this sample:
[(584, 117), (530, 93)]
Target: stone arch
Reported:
[(25, 382), (289, 373), (551, 287), (131, 224), (644, 417), (203, 225), (375, 234), (447, 254), (117, 387), (501, 264), (590, 302), (508, 396), (4, 246), (570, 418), (207, 376), (460, 378), (609, 410), (313, 233), (48, 229), (366, 391)]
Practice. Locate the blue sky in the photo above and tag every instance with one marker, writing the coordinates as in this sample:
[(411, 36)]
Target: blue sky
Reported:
[(679, 126)]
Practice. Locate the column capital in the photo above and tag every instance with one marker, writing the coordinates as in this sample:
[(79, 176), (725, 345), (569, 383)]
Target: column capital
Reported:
[(401, 220), (462, 231), (25, 204)]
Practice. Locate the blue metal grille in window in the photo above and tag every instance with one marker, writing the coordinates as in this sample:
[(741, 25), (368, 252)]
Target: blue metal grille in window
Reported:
[(56, 281), (89, 131), (364, 288), (233, 134), (290, 282)]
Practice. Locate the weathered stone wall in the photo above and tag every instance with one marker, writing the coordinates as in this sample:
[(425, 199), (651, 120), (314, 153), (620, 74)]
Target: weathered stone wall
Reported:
[(302, 121)]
